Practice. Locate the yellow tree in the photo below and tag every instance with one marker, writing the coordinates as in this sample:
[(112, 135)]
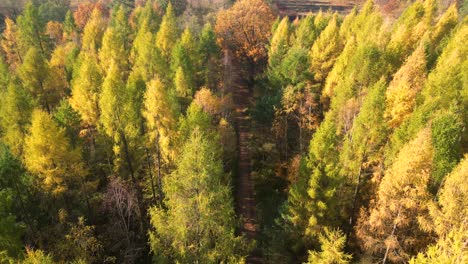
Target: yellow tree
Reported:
[(48, 155), (245, 29), (391, 230), (406, 84), (161, 113), (168, 33), (325, 51), (9, 44)]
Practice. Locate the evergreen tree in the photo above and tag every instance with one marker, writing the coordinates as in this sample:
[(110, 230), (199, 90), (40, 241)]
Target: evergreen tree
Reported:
[(199, 223), (306, 33)]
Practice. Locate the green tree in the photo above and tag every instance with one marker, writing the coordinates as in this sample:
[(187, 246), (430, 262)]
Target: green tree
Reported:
[(199, 223), (306, 33), (332, 244), (279, 43), (15, 114), (31, 30)]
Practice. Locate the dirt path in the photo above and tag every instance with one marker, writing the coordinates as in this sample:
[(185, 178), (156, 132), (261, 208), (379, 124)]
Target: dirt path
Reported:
[(245, 202)]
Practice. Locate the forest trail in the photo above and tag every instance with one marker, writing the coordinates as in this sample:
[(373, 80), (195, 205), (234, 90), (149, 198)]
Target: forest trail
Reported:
[(245, 199)]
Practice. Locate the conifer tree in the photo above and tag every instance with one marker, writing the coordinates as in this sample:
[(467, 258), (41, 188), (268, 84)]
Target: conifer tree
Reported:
[(168, 33), (402, 91), (450, 212), (325, 51), (332, 244), (10, 44), (391, 231), (362, 151), (199, 223), (209, 56), (279, 43), (48, 155), (15, 113), (93, 33), (324, 178), (306, 33), (35, 74), (31, 30), (86, 87), (116, 41)]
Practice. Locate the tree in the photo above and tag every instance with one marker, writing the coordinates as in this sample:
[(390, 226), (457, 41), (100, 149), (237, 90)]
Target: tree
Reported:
[(391, 230), (93, 32), (362, 152), (332, 243), (168, 33), (10, 230), (35, 74), (48, 155), (449, 213), (116, 41), (161, 113), (402, 91), (448, 249), (447, 129), (244, 29), (15, 113), (31, 30), (279, 43), (209, 63), (325, 51), (306, 33), (86, 87), (10, 45), (199, 223)]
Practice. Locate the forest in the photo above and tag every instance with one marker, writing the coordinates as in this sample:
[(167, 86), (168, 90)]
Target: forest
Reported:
[(219, 131)]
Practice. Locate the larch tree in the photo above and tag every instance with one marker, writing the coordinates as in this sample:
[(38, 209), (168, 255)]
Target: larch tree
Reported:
[(115, 117), (35, 74), (160, 112), (279, 43), (332, 243), (86, 87), (210, 61), (15, 115), (50, 157), (31, 30), (199, 223), (405, 86), (116, 42), (362, 153), (305, 33), (167, 35), (450, 211), (391, 231), (92, 33), (325, 51), (10, 44)]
